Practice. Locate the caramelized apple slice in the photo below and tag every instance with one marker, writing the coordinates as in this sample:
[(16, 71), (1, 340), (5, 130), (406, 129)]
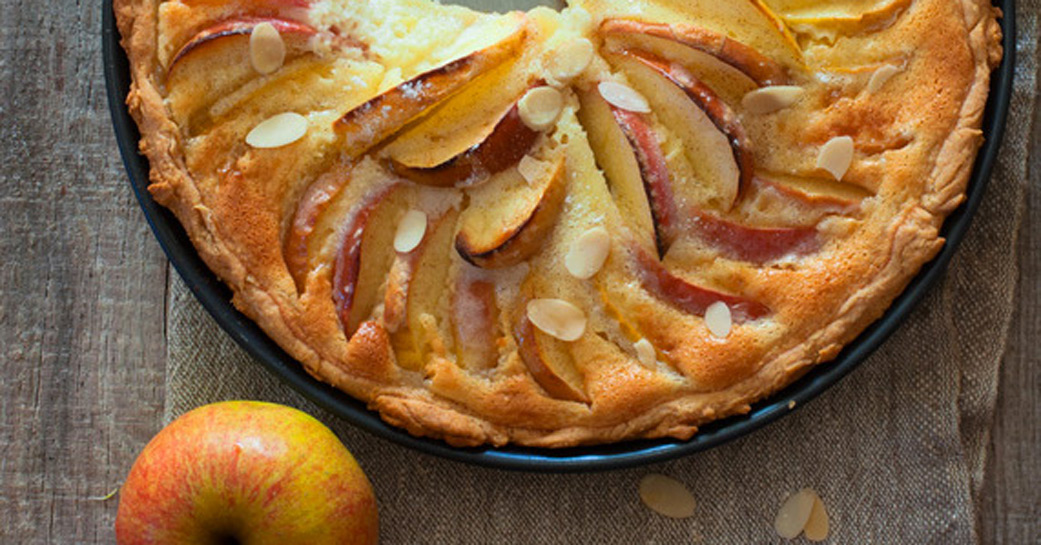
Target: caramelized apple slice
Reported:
[(463, 121), (688, 297), (549, 362), (375, 120), (616, 158), (714, 139), (508, 220), (367, 235), (508, 142), (757, 67), (844, 16), (821, 193), (754, 244), (475, 315)]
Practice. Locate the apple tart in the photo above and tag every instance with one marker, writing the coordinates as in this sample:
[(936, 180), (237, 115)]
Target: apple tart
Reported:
[(621, 220)]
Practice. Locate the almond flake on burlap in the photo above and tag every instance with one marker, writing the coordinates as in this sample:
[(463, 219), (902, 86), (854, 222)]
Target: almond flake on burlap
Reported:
[(904, 433)]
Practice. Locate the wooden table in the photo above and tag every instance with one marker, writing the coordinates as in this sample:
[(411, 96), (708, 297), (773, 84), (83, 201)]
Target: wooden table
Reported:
[(83, 285)]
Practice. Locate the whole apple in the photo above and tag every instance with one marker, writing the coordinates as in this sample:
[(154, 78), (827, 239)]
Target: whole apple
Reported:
[(243, 472)]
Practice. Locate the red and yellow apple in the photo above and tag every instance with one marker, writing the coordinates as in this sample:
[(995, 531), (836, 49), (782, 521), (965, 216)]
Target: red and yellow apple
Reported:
[(246, 472)]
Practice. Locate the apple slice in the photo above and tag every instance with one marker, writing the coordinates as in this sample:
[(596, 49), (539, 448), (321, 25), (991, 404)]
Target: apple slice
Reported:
[(508, 142), (754, 244), (179, 22), (688, 297), (654, 173), (845, 16), (821, 193), (714, 139), (475, 315), (463, 121), (509, 219), (549, 362), (315, 201), (731, 83), (193, 84), (760, 69), (414, 294), (615, 156), (372, 122), (369, 234), (230, 40)]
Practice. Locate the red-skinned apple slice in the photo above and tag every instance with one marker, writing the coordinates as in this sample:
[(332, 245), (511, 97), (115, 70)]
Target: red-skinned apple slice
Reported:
[(497, 232), (688, 297), (754, 244), (372, 122), (314, 202), (475, 316), (237, 31), (618, 161), (549, 363), (760, 69), (193, 85), (654, 173), (685, 104), (504, 147), (415, 286), (347, 273)]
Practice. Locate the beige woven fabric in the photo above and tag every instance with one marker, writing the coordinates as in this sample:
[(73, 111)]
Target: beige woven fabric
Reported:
[(896, 449)]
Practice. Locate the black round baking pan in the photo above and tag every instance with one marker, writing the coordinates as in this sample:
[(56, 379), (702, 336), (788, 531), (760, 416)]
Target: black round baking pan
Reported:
[(216, 297)]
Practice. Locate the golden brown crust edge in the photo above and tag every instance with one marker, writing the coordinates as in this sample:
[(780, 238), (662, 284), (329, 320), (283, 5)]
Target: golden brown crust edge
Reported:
[(421, 413)]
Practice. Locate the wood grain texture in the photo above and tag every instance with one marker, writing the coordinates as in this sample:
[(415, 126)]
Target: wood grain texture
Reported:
[(82, 287)]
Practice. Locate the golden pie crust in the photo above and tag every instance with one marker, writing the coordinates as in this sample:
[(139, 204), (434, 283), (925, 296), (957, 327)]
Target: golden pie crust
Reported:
[(399, 95)]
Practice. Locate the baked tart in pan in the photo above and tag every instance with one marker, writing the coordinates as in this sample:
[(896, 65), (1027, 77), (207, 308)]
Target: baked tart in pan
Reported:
[(621, 220)]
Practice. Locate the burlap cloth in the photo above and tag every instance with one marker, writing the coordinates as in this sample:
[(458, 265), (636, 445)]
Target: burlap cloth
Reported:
[(896, 449)]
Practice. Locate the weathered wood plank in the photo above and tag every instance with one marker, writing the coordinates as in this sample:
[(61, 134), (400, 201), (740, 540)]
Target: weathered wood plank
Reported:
[(81, 285)]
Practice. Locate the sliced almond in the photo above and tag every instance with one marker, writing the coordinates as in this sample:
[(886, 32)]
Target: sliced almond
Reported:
[(623, 96), (771, 99), (267, 51), (836, 155), (667, 496), (645, 352), (570, 59), (280, 130), (531, 169), (411, 230), (817, 526), (718, 319), (881, 76), (794, 513), (588, 253), (557, 318), (540, 107)]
